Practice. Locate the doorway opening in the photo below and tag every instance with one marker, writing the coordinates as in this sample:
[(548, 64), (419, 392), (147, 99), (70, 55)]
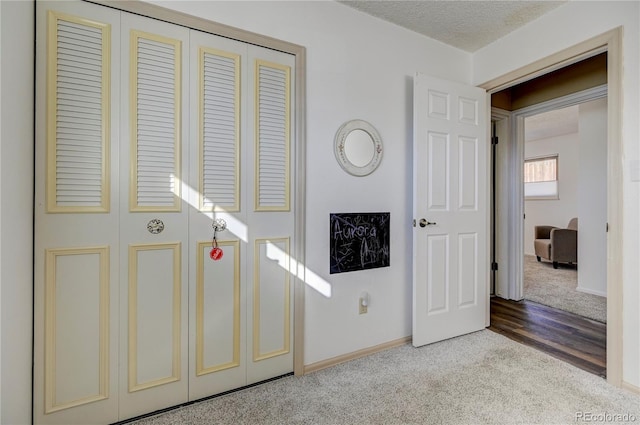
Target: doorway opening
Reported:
[(562, 312), (510, 210)]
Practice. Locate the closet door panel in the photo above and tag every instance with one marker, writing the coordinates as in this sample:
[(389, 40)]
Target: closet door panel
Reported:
[(154, 217), (272, 85), (155, 119), (154, 315), (217, 359), (271, 216), (219, 130), (271, 298), (217, 319), (77, 334), (217, 323), (76, 210)]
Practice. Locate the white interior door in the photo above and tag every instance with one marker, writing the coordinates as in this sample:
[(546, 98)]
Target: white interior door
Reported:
[(154, 219), (270, 214), (76, 214), (217, 329), (450, 280)]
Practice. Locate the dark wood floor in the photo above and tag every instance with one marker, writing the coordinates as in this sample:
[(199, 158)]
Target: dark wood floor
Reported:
[(574, 339)]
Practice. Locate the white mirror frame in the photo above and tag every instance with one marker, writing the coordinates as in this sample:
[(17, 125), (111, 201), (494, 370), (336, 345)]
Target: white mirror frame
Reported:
[(339, 148)]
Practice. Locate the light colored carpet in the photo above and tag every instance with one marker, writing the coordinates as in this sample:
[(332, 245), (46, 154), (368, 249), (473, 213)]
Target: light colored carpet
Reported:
[(557, 288), (480, 378)]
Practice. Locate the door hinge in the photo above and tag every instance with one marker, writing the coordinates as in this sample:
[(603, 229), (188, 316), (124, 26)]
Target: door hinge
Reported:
[(494, 266), (414, 222), (494, 140), (607, 227)]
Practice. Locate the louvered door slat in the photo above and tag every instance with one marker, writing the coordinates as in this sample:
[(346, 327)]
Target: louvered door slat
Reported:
[(86, 46), (91, 71), (79, 114), (77, 86), (78, 111), (155, 123), (79, 53), (81, 103), (220, 120)]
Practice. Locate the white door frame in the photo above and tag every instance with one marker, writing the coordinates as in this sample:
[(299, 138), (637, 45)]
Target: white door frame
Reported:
[(158, 12), (503, 187), (610, 42)]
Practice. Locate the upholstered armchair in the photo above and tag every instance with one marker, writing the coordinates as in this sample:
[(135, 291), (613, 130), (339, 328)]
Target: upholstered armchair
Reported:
[(557, 245)]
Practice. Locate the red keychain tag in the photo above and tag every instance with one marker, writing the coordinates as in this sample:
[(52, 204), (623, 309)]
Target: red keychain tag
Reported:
[(215, 253)]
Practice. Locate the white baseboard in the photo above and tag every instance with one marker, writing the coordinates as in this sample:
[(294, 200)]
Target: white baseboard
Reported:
[(631, 387), (323, 364), (591, 291)]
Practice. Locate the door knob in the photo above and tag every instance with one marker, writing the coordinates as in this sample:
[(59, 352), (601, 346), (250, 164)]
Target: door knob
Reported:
[(424, 223)]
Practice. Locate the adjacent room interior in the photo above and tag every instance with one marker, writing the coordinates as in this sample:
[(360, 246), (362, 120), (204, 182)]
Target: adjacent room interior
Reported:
[(568, 148)]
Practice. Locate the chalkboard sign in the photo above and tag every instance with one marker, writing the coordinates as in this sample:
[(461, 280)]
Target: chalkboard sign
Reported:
[(359, 241)]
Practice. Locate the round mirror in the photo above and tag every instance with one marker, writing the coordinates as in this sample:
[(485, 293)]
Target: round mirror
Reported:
[(358, 147)]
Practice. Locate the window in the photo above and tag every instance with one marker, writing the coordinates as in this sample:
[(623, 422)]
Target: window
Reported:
[(541, 177)]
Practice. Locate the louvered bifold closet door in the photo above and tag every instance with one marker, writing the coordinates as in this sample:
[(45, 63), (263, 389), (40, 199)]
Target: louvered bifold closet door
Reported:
[(271, 218), (154, 227), (76, 204), (217, 318), (147, 133)]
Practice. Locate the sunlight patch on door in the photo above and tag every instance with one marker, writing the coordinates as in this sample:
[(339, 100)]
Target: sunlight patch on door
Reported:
[(240, 229)]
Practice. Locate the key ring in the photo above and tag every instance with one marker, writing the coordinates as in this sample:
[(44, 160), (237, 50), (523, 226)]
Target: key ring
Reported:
[(219, 225)]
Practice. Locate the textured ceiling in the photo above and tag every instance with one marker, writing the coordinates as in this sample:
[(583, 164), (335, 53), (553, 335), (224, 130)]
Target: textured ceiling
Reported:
[(467, 25)]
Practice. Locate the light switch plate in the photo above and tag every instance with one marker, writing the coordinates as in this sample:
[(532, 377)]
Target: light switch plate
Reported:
[(362, 308)]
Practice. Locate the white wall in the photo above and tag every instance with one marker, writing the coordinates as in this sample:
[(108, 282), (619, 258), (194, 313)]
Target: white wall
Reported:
[(552, 33), (592, 198), (16, 193), (357, 67), (554, 212)]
